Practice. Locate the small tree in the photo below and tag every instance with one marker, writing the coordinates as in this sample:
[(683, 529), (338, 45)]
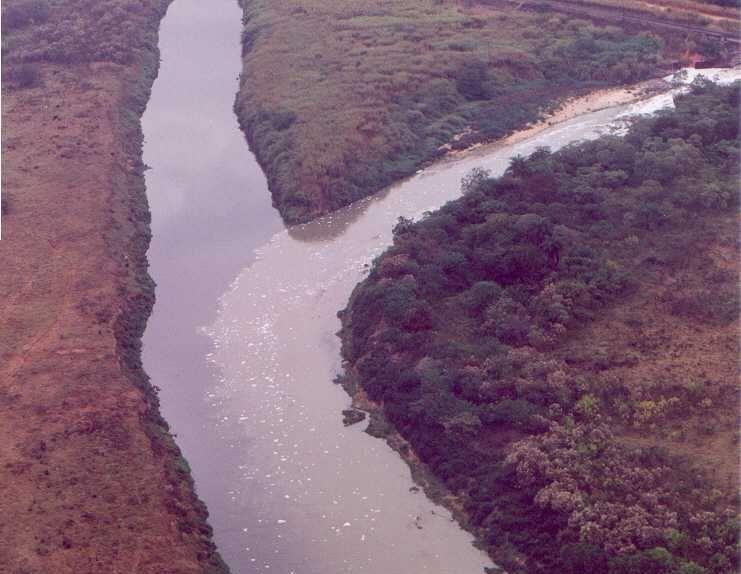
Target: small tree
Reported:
[(473, 179)]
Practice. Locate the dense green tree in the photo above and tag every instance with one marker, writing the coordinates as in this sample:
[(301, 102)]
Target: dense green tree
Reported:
[(461, 331)]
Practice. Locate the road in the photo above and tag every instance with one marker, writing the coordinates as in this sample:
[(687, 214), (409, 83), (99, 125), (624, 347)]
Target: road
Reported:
[(601, 12)]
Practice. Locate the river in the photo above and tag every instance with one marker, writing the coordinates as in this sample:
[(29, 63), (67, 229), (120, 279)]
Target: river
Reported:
[(242, 338)]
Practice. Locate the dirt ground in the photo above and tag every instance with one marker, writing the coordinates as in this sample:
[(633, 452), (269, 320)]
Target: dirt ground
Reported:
[(91, 480)]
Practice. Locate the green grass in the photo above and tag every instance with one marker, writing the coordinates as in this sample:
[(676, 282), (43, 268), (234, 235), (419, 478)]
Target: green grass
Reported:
[(376, 90)]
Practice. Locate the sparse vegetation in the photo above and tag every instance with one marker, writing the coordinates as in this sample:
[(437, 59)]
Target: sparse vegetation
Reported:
[(544, 343)]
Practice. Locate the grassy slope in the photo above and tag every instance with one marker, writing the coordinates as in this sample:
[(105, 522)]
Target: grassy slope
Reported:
[(564, 347), (706, 14), (340, 99), (90, 474)]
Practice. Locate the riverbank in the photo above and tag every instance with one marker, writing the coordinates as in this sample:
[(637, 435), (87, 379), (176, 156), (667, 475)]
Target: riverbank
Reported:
[(343, 101), (531, 408), (568, 109), (378, 425), (90, 473)]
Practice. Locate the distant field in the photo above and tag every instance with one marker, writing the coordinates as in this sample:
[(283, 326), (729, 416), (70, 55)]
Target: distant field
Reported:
[(339, 100)]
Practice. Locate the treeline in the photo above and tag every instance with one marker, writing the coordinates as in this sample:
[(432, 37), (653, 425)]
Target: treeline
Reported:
[(73, 32), (725, 3), (462, 330)]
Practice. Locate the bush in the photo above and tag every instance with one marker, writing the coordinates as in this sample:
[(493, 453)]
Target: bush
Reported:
[(691, 568), (717, 305), (517, 413), (480, 296), (24, 76), (474, 179), (654, 561), (583, 558), (472, 81), (22, 14), (280, 120)]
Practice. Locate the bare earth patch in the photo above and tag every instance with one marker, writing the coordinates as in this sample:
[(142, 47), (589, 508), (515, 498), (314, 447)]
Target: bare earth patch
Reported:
[(91, 480)]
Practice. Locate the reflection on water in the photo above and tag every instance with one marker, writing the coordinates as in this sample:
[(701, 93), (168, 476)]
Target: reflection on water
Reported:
[(290, 490)]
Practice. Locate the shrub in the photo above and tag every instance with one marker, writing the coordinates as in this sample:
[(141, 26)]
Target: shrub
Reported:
[(280, 120), (654, 561), (583, 558), (474, 179), (516, 413), (480, 296), (25, 13), (25, 76), (472, 81)]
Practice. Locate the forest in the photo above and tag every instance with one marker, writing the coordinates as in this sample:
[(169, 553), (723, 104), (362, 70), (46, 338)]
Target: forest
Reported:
[(558, 347)]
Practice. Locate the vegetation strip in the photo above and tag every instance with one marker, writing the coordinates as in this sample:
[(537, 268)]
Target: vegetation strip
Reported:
[(90, 472)]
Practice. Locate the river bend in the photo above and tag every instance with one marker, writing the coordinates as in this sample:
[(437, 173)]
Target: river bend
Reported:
[(242, 338)]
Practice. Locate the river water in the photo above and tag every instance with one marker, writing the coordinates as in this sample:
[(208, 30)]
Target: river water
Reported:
[(242, 339)]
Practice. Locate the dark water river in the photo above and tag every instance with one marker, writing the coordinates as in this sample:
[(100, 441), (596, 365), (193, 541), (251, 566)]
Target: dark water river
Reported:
[(241, 341)]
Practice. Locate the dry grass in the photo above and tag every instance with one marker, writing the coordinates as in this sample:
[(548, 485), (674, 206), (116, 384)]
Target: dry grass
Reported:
[(678, 355), (340, 99), (91, 479)]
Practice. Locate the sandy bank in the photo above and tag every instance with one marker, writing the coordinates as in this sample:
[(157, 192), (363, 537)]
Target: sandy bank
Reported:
[(567, 110)]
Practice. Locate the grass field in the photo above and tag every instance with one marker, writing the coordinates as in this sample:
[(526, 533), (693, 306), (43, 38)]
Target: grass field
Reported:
[(339, 99)]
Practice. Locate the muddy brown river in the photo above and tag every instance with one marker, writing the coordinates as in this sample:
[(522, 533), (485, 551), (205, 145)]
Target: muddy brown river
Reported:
[(242, 339)]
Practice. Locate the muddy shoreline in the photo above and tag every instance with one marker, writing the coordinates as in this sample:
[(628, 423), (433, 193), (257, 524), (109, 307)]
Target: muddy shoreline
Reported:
[(567, 109), (379, 427)]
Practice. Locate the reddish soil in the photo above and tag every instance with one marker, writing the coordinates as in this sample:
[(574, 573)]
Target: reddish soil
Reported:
[(91, 479)]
